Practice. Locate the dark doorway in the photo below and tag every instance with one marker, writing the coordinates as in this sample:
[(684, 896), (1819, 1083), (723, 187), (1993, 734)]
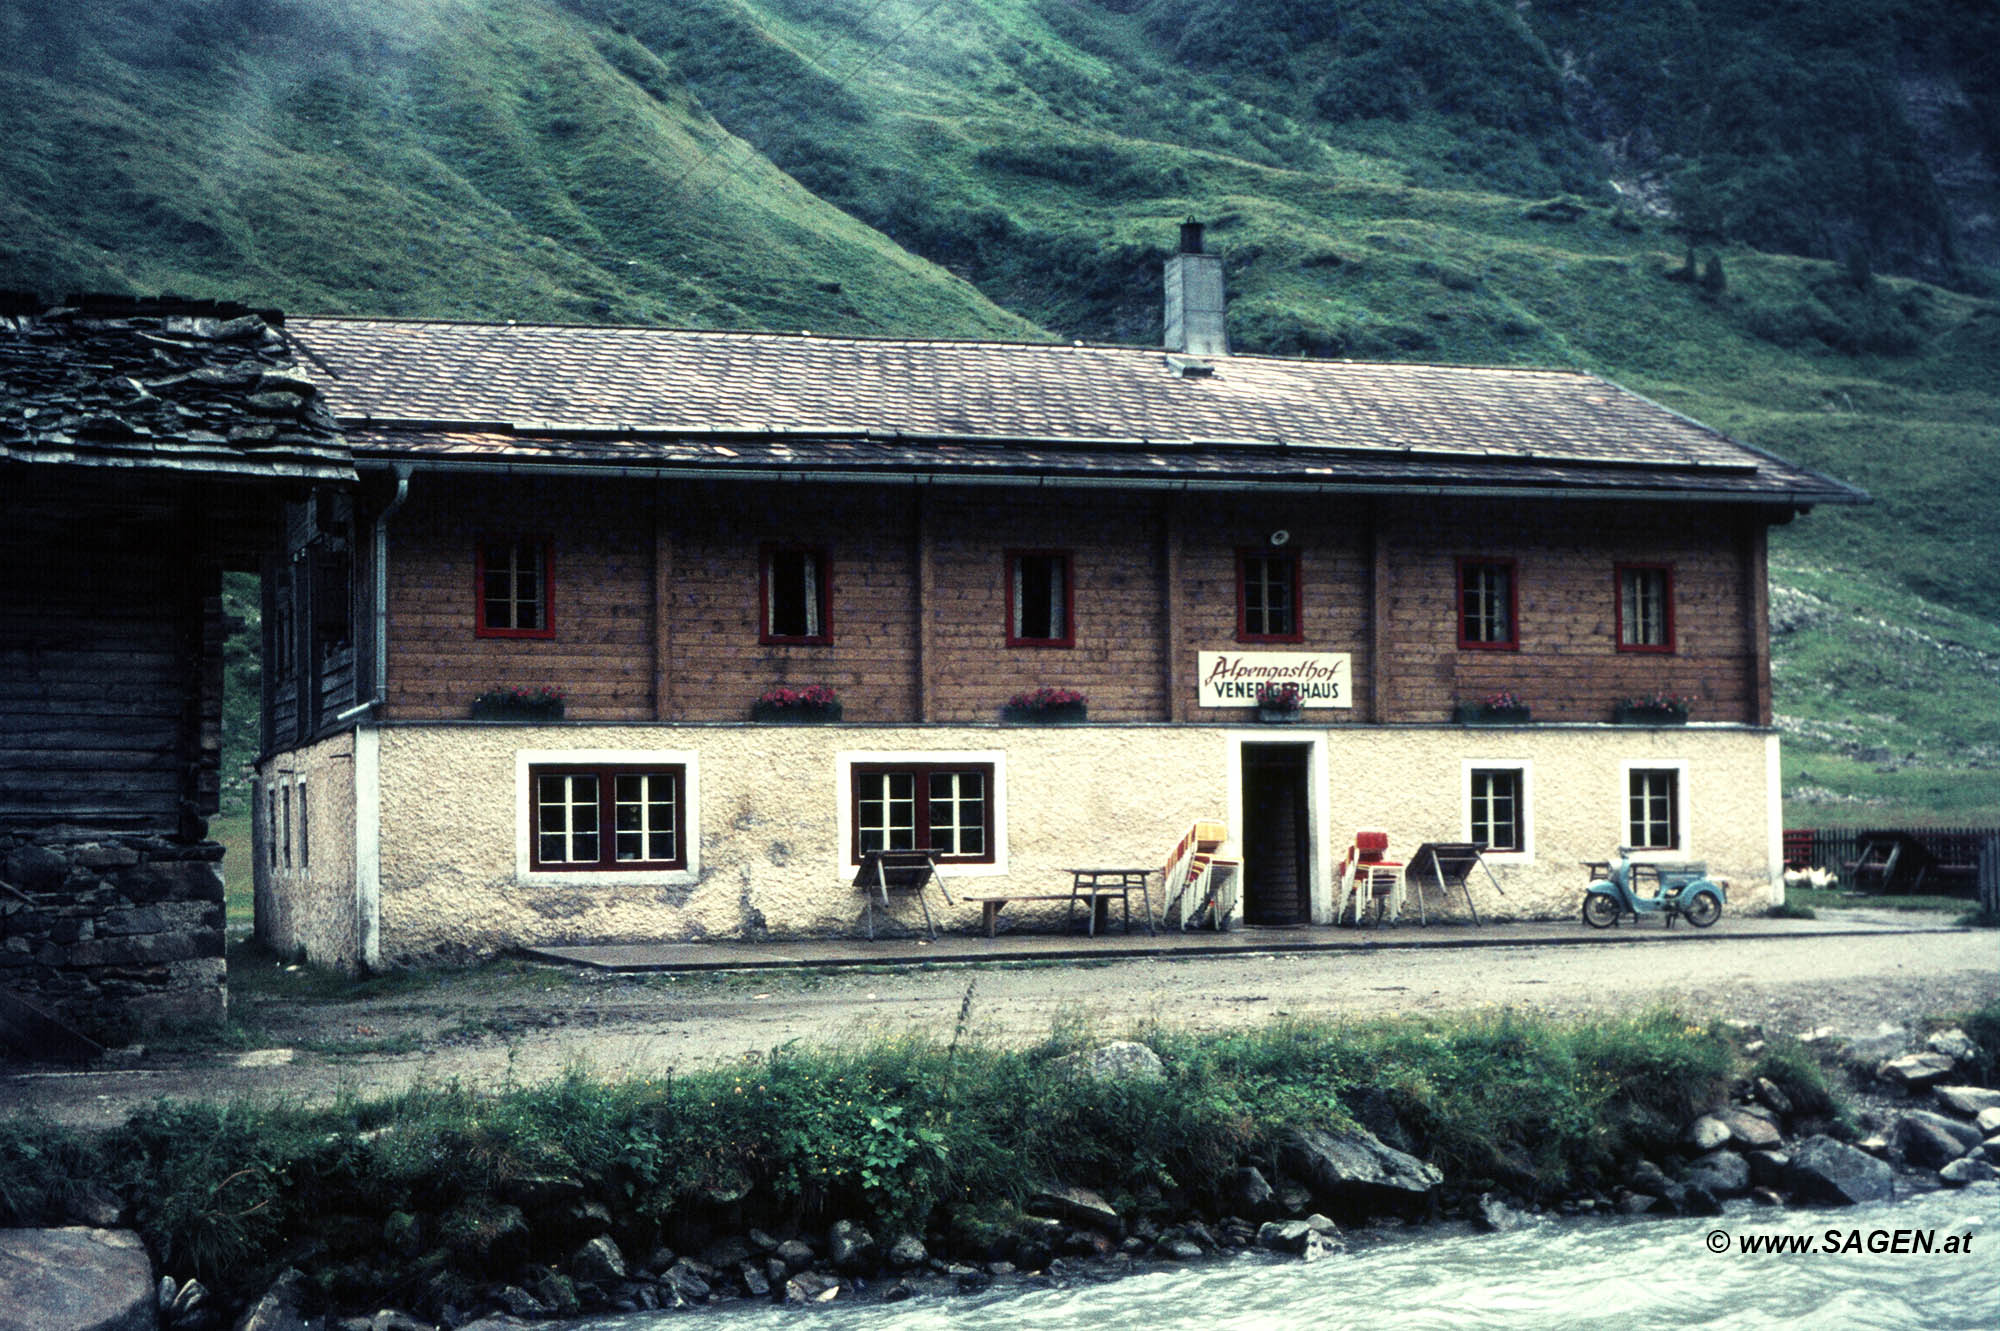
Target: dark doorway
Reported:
[(1277, 834)]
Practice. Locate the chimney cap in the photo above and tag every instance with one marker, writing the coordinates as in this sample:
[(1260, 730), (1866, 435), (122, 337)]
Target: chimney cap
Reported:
[(1191, 236)]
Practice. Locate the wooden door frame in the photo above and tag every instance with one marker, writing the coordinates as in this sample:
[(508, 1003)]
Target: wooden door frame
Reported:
[(1319, 862)]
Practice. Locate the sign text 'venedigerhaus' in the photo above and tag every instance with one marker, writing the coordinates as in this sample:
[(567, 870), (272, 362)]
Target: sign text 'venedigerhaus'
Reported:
[(1231, 679)]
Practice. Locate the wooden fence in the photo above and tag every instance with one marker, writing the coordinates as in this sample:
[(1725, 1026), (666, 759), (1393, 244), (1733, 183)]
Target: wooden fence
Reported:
[(1967, 858)]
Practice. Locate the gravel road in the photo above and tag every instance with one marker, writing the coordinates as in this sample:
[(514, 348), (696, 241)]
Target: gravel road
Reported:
[(531, 1022)]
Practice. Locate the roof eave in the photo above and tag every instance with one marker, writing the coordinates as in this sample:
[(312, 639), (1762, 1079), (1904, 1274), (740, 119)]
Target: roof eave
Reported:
[(1022, 478)]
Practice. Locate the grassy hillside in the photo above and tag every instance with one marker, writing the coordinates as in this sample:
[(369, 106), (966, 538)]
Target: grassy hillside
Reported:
[(472, 158), (1415, 180)]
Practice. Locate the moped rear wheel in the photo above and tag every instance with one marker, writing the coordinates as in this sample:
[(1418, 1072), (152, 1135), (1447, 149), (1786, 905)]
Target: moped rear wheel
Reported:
[(1600, 911), (1703, 911)]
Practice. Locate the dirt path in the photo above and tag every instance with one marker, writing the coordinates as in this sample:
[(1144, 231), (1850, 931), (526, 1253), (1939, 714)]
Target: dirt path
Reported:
[(531, 1022)]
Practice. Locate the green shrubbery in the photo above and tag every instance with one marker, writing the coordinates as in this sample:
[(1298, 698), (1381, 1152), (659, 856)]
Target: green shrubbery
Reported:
[(904, 1135)]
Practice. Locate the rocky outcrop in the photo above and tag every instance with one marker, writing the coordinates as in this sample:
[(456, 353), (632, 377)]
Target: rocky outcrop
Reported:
[(1121, 1060), (1969, 1101), (1352, 1170), (76, 1280), (1916, 1071)]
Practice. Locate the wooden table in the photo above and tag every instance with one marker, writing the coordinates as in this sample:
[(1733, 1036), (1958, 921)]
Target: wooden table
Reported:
[(1448, 864), (1098, 886), (886, 871), (1090, 886)]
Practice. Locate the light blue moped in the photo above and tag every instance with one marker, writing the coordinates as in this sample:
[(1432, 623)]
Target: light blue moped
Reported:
[(1686, 891)]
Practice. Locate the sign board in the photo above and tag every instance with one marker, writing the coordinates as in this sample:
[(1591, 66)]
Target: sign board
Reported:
[(1230, 679)]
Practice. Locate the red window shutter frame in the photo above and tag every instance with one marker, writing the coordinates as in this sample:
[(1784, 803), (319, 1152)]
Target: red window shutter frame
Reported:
[(1298, 633), (480, 627), (824, 590), (1068, 564), (1670, 645), (1512, 642)]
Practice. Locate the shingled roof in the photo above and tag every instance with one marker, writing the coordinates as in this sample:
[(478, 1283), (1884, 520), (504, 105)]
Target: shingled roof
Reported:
[(159, 384), (461, 394)]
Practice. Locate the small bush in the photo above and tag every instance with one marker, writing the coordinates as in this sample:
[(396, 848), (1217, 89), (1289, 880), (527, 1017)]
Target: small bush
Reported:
[(1982, 1025), (1792, 1068)]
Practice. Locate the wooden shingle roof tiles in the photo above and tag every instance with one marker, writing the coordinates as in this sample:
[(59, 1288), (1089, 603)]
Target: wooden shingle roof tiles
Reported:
[(676, 399)]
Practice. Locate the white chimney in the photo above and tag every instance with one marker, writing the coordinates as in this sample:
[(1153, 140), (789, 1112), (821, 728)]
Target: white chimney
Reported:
[(1195, 299)]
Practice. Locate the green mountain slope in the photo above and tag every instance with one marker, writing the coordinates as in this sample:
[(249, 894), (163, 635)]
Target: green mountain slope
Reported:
[(466, 158), (1422, 179)]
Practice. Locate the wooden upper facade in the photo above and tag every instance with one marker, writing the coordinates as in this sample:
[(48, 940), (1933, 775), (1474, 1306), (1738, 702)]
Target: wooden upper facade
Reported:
[(144, 447), (663, 525)]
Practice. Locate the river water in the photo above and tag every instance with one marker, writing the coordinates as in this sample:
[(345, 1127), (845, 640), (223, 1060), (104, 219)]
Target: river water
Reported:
[(1552, 1277)]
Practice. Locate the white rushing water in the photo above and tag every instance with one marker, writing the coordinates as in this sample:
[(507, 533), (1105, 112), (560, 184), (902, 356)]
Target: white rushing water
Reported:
[(1552, 1277)]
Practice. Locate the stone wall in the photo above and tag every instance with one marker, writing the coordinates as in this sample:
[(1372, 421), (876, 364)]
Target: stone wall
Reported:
[(115, 935)]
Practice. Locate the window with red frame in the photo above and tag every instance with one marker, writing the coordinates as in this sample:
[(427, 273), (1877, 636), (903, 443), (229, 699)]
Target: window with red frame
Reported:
[(1645, 608), (1040, 609), (596, 818), (1488, 608), (947, 810), (1267, 596), (516, 585), (796, 595)]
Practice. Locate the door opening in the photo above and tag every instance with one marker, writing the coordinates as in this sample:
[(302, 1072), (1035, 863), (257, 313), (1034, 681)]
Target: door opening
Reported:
[(1277, 834)]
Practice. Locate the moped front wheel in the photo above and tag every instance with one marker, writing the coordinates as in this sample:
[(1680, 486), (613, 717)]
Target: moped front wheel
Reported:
[(1600, 911), (1703, 911)]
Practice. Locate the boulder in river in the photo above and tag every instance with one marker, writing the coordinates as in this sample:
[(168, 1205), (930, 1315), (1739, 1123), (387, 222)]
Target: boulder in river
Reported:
[(1352, 1169), (1825, 1170)]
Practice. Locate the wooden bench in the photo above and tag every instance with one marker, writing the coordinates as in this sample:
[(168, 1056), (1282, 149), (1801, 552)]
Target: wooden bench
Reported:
[(1090, 886), (989, 906)]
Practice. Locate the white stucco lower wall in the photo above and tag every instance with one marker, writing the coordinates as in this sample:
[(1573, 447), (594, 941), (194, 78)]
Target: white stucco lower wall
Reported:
[(304, 898), (767, 818)]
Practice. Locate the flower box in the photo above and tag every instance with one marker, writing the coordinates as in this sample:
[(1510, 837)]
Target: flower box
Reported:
[(1278, 704), (1634, 712), (1496, 709), (815, 705), (1046, 707), (518, 705)]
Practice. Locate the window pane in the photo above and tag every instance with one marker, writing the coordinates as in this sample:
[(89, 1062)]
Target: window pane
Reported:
[(643, 807), (566, 819), (788, 597), (1267, 595), (886, 810), (1496, 809), (1039, 609), (1654, 809), (513, 592), (902, 811), (1643, 607), (794, 587), (1488, 598), (958, 813)]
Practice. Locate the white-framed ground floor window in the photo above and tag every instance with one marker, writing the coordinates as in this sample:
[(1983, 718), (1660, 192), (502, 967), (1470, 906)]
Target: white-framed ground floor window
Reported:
[(1498, 795), (1654, 813), (952, 803), (606, 816)]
